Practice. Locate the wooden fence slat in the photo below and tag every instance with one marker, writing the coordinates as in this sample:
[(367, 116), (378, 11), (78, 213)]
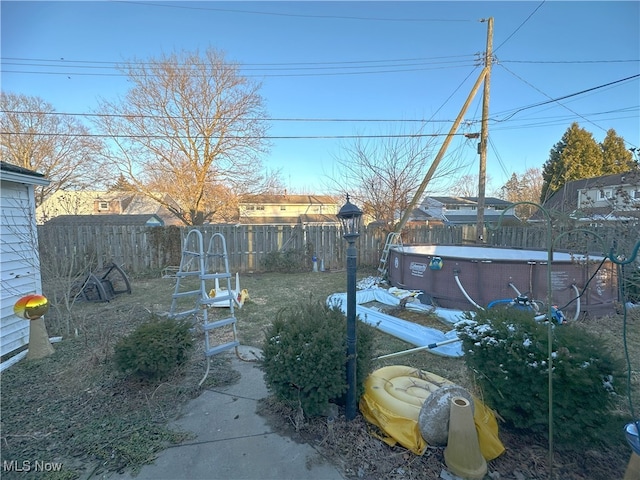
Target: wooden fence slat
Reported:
[(148, 249)]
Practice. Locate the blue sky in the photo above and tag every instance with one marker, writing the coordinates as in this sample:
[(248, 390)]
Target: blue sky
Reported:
[(365, 61)]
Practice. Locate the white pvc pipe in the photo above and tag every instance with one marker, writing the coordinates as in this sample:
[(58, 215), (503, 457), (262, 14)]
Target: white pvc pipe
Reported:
[(575, 317), (464, 292)]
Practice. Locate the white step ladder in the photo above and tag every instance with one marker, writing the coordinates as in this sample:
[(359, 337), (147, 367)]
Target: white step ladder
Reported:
[(393, 239), (204, 266)]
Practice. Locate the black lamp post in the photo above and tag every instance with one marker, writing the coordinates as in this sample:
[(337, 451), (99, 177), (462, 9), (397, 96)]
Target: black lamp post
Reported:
[(349, 216)]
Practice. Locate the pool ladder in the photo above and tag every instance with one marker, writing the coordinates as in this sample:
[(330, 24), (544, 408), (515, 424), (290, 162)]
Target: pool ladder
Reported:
[(197, 263), (393, 239)]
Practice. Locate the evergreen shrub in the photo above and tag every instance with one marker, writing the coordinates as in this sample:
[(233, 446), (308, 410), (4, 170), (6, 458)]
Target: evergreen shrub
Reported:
[(154, 349), (305, 356), (508, 350), (286, 261)]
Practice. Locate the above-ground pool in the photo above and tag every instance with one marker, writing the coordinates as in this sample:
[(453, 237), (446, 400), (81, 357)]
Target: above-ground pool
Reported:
[(468, 277)]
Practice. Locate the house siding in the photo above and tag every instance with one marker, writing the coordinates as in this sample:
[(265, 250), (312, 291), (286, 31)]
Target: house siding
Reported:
[(19, 264), (287, 209)]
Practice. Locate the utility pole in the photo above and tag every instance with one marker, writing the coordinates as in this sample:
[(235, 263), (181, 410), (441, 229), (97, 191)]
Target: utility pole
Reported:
[(484, 133), (441, 152)]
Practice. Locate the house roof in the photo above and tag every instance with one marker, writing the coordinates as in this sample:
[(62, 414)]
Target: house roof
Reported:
[(152, 220), (143, 205), (489, 217), (490, 201), (15, 173), (81, 202), (418, 215), (566, 198), (288, 199), (469, 201)]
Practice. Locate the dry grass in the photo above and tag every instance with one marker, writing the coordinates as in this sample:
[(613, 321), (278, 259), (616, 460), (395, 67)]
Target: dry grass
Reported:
[(74, 408)]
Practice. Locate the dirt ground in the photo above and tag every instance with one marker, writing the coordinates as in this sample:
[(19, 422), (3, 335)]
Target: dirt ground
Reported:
[(353, 447), (77, 408)]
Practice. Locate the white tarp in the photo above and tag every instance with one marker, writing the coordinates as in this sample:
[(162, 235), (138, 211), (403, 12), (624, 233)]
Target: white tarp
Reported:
[(409, 332)]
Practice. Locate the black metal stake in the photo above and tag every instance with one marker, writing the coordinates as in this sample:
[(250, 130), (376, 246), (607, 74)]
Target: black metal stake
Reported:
[(351, 330), (350, 216)]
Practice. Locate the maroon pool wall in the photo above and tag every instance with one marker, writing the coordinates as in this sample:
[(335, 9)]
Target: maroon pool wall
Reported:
[(450, 274)]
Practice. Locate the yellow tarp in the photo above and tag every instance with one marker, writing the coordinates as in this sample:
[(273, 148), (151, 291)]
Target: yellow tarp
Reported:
[(406, 431)]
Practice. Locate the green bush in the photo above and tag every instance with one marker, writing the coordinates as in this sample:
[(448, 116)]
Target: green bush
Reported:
[(509, 351), (305, 356), (286, 261), (154, 349)]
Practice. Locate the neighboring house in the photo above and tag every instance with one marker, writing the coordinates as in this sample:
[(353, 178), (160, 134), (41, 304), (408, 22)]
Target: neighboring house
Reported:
[(288, 210), (19, 260), (420, 217), (464, 210), (65, 202), (120, 220), (598, 200)]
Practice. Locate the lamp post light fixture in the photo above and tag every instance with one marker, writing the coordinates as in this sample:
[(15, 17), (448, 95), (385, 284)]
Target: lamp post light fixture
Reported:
[(350, 216)]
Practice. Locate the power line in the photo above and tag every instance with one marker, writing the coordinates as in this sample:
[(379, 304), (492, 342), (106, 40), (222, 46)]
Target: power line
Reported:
[(389, 69), (265, 75), (519, 26), (568, 62), (59, 63), (530, 122), (114, 64), (290, 69), (247, 137), (292, 119), (493, 118), (296, 15), (557, 99)]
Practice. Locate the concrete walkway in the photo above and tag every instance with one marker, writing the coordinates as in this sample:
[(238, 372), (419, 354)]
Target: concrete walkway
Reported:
[(232, 441)]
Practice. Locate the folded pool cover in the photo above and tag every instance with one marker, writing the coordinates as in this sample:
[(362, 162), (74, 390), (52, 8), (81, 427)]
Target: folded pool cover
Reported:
[(396, 414)]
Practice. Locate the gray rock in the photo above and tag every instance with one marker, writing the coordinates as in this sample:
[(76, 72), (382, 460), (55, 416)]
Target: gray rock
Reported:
[(433, 419)]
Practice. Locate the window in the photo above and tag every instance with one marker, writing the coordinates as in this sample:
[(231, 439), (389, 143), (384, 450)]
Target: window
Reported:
[(251, 207), (605, 194), (283, 207), (259, 207), (103, 205)]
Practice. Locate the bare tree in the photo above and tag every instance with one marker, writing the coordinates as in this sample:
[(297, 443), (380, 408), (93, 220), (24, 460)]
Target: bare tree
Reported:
[(383, 173), (34, 136), (524, 188), (191, 127), (467, 186)]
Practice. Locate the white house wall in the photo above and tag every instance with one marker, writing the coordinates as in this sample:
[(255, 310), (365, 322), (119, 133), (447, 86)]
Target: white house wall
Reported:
[(19, 269), (285, 210)]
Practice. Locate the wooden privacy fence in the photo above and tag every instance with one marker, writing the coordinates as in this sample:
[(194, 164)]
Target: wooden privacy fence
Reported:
[(141, 250)]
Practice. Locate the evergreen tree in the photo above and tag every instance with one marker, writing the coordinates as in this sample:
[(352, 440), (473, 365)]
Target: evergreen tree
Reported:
[(616, 158), (577, 155), (512, 190), (523, 188)]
